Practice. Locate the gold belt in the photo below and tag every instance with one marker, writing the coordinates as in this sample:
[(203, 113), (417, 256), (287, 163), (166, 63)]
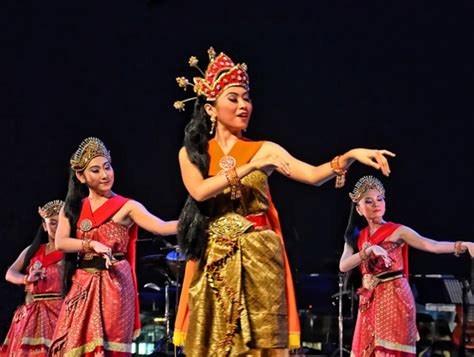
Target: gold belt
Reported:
[(47, 296), (370, 281)]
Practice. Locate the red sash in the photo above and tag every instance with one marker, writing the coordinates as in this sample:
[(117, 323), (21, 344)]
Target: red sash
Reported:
[(243, 151), (100, 216), (379, 236), (46, 259)]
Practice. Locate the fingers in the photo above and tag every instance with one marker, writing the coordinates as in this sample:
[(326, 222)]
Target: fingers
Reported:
[(374, 164), (285, 167), (109, 258), (387, 261), (383, 162), (386, 152), (280, 164), (37, 274)]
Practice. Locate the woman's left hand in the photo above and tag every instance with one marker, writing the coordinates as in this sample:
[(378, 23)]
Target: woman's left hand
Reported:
[(470, 247), (374, 158)]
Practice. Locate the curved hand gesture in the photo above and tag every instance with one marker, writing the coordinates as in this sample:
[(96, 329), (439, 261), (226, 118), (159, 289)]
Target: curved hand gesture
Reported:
[(105, 251), (374, 158), (470, 248), (36, 274), (272, 162), (378, 251)]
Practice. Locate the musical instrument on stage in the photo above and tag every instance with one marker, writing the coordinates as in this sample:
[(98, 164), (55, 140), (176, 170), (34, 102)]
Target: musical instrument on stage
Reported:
[(447, 295), (159, 297), (463, 334), (326, 304), (176, 262)]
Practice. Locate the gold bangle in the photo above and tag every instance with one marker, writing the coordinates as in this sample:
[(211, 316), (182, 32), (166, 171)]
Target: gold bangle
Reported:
[(340, 173), (363, 254), (458, 249), (25, 280), (234, 182), (86, 246)]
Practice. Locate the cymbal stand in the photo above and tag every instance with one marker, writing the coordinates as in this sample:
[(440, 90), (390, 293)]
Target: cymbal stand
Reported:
[(340, 318)]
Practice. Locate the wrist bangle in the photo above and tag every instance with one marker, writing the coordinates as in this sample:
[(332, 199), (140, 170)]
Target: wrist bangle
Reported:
[(363, 252), (458, 249), (234, 182), (25, 280), (340, 173), (86, 246)]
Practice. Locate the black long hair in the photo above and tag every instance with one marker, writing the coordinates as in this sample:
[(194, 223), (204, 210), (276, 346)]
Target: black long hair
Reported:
[(76, 192), (354, 225), (40, 238), (192, 226)]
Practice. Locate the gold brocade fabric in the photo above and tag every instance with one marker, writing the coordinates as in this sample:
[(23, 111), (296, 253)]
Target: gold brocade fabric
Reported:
[(238, 296), (386, 321), (98, 312)]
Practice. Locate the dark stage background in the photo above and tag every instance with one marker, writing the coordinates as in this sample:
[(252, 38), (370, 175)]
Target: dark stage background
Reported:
[(326, 76)]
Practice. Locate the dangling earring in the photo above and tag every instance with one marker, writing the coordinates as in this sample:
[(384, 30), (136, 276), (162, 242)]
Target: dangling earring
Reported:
[(213, 124)]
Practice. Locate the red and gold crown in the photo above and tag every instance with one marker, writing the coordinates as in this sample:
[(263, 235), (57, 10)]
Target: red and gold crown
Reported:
[(221, 73), (50, 209)]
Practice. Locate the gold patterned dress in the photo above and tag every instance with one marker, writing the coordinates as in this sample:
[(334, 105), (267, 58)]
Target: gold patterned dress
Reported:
[(98, 317), (386, 322), (238, 296)]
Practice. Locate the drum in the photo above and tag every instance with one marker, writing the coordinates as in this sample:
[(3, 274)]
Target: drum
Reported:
[(176, 262)]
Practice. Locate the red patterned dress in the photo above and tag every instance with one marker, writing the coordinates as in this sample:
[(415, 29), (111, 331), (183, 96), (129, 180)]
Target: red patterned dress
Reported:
[(33, 324), (100, 312), (386, 323)]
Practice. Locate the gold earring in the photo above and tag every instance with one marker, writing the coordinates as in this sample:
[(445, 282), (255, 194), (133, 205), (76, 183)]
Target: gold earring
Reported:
[(213, 124)]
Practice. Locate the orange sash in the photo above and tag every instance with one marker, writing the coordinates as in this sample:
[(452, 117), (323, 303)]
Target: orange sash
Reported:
[(45, 259), (242, 151)]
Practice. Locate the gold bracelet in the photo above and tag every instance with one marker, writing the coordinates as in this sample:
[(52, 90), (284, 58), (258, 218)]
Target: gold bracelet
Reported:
[(340, 173), (234, 182), (86, 246), (458, 249), (363, 254), (25, 280)]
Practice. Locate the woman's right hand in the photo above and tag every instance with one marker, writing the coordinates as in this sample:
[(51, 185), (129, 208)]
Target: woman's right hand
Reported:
[(271, 162), (105, 251), (378, 251), (35, 274)]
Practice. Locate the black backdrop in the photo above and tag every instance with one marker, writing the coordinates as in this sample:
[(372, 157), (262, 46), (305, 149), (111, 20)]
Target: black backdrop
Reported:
[(326, 76)]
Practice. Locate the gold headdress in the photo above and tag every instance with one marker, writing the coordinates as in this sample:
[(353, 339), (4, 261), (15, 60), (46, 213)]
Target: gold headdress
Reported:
[(88, 149), (221, 73), (50, 209), (365, 184)]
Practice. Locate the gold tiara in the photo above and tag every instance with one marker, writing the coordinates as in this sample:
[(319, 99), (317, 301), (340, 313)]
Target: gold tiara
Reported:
[(50, 209), (88, 149), (365, 184)]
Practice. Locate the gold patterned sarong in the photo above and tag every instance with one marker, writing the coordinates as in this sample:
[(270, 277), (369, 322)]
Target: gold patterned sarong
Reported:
[(239, 299), (241, 288)]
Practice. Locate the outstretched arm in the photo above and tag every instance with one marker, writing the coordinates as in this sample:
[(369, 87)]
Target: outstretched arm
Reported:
[(144, 219), (417, 241), (317, 175)]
